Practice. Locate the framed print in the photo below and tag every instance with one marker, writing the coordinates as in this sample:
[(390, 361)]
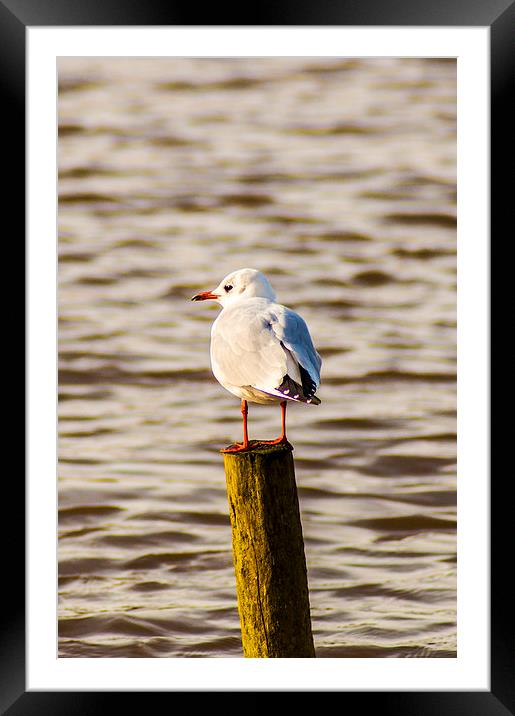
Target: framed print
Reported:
[(343, 152)]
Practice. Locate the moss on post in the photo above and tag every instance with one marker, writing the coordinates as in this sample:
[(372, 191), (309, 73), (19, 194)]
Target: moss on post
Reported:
[(268, 550)]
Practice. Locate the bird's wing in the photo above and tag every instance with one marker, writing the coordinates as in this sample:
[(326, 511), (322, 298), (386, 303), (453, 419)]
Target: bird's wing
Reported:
[(292, 331), (245, 351), (260, 345)]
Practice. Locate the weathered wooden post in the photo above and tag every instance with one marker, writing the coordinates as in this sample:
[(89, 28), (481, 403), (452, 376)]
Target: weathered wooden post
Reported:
[(268, 551)]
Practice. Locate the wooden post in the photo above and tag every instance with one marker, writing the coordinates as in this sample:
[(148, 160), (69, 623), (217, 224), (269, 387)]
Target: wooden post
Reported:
[(268, 551)]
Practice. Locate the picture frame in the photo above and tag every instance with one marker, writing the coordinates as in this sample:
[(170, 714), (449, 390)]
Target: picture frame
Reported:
[(18, 15)]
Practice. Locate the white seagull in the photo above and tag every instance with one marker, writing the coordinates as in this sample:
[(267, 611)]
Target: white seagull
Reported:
[(261, 351)]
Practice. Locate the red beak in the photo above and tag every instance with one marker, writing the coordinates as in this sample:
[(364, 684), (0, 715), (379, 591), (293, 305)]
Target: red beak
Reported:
[(204, 296)]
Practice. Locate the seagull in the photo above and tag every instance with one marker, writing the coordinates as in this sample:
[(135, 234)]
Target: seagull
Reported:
[(261, 351)]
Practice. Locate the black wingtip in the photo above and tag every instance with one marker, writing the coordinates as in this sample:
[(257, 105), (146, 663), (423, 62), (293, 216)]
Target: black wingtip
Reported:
[(314, 400), (291, 390)]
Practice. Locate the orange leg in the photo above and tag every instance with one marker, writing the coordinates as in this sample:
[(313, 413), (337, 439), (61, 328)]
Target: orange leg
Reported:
[(245, 412), (240, 447), (282, 439)]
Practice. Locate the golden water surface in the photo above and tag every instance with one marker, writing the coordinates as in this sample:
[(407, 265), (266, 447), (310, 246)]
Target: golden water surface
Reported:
[(337, 178)]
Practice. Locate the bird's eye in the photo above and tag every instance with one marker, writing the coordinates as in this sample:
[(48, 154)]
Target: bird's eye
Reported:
[(228, 288)]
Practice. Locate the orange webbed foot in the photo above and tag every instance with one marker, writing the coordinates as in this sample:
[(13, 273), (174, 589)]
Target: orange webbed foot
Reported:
[(236, 447)]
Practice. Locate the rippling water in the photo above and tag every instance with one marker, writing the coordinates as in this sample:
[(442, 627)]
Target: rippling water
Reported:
[(337, 178)]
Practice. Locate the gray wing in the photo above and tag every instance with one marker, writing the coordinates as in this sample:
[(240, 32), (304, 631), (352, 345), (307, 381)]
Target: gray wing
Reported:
[(293, 333), (245, 350)]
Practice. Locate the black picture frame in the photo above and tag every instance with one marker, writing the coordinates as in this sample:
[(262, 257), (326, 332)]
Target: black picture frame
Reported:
[(15, 17)]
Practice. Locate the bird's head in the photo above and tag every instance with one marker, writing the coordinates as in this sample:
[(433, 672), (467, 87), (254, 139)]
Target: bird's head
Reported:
[(244, 283)]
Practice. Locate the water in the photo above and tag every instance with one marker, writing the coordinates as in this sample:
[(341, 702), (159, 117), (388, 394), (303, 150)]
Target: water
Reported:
[(337, 178)]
